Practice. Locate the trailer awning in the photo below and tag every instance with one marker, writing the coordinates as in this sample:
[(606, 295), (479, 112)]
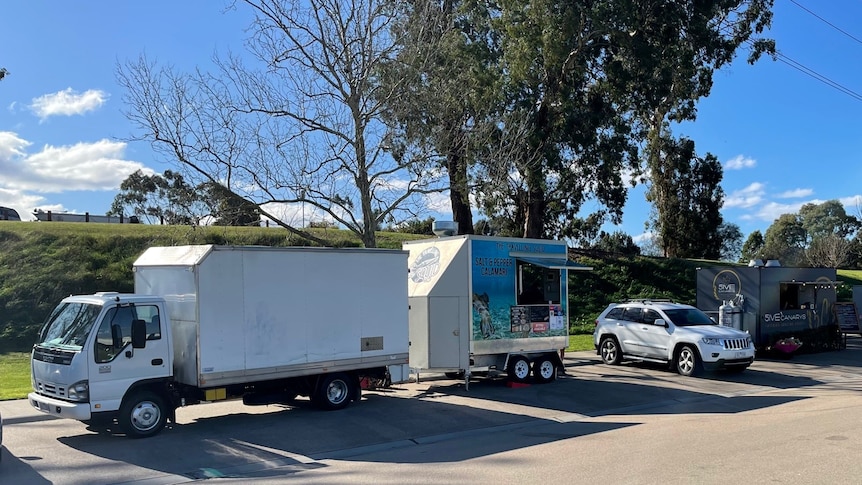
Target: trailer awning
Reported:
[(553, 263)]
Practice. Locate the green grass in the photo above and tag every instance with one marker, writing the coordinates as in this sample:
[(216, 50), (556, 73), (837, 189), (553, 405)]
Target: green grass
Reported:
[(580, 342), (14, 375)]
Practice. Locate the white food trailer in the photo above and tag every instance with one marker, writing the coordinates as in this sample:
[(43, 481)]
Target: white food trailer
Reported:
[(480, 303)]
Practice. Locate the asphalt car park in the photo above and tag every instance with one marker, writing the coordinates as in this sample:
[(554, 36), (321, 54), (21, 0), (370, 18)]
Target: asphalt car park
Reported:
[(229, 439)]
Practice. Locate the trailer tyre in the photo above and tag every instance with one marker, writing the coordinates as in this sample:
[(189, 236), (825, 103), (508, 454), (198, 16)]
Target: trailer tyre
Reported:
[(335, 391), (143, 414), (544, 370), (519, 369)]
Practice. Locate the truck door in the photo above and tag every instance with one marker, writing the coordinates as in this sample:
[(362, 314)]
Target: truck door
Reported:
[(115, 365)]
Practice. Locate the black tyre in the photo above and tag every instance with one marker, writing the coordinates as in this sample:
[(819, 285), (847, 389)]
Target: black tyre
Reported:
[(335, 391), (518, 369), (610, 351), (688, 361), (143, 414), (544, 370)]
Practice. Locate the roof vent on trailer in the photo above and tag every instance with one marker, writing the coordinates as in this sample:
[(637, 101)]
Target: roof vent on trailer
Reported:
[(755, 263), (773, 263), (444, 228)]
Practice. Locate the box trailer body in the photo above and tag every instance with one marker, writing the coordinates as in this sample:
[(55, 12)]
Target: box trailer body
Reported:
[(780, 307), (264, 324), (469, 306)]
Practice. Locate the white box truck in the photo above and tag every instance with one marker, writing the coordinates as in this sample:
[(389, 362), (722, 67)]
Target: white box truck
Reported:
[(210, 322), (481, 303)]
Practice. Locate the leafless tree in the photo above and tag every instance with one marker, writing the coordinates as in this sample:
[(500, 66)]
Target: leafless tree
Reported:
[(302, 126), (831, 251)]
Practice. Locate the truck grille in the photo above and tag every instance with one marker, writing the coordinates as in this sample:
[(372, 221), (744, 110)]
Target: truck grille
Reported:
[(737, 343), (53, 356), (50, 389)]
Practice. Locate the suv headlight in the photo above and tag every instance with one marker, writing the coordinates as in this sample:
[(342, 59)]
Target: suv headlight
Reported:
[(712, 341), (79, 391)]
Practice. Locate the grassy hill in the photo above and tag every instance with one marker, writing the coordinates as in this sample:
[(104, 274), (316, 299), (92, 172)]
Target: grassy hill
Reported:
[(41, 263)]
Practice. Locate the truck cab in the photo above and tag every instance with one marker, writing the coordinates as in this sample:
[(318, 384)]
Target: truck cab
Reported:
[(94, 349)]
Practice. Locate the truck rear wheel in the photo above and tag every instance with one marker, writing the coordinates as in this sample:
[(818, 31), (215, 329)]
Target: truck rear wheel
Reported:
[(334, 391), (143, 414)]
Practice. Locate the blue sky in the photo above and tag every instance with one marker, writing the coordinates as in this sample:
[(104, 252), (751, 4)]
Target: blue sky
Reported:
[(783, 137)]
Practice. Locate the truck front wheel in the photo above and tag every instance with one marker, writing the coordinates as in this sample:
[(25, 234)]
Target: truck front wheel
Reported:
[(143, 414), (334, 391)]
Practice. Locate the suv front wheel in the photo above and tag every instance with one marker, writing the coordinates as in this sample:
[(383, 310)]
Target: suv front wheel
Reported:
[(688, 361), (610, 351)]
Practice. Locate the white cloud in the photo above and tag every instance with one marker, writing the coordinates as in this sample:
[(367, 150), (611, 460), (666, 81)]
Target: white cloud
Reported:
[(439, 202), (747, 197), (773, 210), (83, 166), (796, 194), (68, 103), (644, 238), (740, 162)]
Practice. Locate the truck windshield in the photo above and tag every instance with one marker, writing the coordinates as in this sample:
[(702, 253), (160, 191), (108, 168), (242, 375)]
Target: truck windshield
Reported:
[(68, 326)]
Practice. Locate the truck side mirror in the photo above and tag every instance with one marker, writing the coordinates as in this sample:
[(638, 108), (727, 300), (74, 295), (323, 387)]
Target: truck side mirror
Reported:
[(139, 334), (660, 322)]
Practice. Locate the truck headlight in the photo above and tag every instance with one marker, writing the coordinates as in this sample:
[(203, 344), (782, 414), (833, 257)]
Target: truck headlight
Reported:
[(711, 341), (79, 391)]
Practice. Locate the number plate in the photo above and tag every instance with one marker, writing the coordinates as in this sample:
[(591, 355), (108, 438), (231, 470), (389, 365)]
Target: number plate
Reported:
[(740, 355)]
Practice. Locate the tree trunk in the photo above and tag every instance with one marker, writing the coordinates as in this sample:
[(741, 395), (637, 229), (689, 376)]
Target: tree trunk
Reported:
[(459, 191)]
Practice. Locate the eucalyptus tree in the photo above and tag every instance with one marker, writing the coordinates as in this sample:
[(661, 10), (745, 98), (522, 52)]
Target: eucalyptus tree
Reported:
[(299, 123), (786, 240), (669, 51), (690, 209), (450, 108), (595, 82), (827, 219), (753, 247)]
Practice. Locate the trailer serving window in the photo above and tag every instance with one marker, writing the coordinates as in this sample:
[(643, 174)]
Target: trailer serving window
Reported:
[(802, 295), (539, 279)]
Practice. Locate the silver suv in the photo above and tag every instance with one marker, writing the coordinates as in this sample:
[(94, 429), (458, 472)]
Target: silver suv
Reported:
[(670, 333)]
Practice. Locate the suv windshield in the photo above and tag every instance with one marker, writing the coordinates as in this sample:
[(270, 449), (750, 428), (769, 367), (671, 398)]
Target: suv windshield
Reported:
[(687, 317), (68, 326)]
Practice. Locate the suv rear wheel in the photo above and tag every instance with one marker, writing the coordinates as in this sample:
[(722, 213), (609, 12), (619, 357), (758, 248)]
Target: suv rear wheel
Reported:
[(610, 351)]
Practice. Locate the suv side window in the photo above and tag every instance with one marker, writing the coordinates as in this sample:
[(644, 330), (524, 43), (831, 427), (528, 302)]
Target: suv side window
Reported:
[(616, 314), (650, 316), (633, 314)]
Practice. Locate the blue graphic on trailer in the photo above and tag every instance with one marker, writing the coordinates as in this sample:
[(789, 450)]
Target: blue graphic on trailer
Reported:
[(496, 312)]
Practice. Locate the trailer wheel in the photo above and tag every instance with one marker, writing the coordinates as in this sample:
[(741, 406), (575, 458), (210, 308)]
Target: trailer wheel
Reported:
[(519, 369), (334, 391), (142, 415), (544, 370)]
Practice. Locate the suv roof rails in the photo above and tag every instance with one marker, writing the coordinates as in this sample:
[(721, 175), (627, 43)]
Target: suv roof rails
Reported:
[(649, 300)]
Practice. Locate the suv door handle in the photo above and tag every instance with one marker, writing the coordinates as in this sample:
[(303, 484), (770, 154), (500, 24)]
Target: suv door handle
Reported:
[(156, 362)]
